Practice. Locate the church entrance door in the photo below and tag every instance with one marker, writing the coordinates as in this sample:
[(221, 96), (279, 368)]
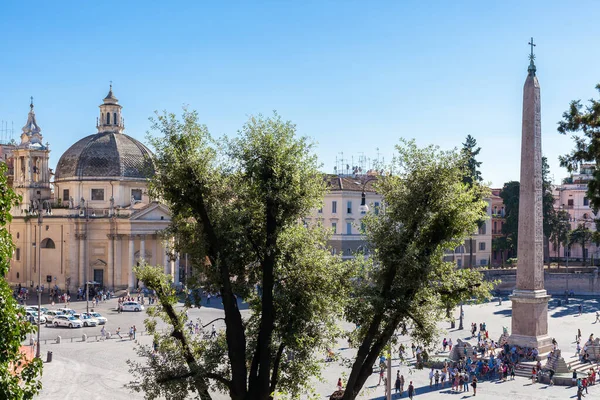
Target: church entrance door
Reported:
[(99, 276)]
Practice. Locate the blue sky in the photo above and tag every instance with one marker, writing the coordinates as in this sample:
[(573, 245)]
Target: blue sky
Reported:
[(354, 75)]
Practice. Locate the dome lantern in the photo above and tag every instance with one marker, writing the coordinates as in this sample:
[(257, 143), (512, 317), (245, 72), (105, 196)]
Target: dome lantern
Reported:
[(110, 119)]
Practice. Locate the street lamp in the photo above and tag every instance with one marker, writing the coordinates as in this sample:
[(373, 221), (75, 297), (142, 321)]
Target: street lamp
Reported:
[(39, 267), (363, 201)]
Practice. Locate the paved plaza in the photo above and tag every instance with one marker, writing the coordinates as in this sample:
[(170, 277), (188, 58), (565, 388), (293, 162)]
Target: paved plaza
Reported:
[(98, 370)]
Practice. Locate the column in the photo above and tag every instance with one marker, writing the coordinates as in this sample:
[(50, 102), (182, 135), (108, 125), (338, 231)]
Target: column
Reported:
[(131, 261), (177, 268), (142, 247), (166, 257), (82, 277), (111, 262), (118, 259)]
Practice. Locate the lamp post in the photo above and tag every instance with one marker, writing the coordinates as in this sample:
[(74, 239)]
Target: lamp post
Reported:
[(39, 267)]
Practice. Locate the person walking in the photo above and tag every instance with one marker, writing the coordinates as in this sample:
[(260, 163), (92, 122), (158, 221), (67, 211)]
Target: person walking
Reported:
[(134, 331), (437, 379), (411, 390), (118, 333), (339, 384), (213, 332), (431, 375), (397, 384), (401, 385), (580, 310), (474, 386)]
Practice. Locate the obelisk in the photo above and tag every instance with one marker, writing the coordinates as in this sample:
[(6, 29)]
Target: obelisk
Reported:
[(530, 299)]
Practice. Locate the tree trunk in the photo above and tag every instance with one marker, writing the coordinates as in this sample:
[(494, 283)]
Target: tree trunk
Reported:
[(470, 252)]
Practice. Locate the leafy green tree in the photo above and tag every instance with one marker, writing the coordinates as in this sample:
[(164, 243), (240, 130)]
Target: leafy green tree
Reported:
[(510, 228), (582, 235), (470, 152), (472, 176), (587, 147), (500, 244), (406, 284), (19, 379), (559, 230), (237, 206), (547, 206)]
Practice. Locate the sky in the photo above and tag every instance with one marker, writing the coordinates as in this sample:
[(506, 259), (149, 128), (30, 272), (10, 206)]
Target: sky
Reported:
[(355, 76)]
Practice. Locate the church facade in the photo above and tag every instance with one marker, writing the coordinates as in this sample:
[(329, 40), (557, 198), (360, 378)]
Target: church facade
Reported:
[(91, 220)]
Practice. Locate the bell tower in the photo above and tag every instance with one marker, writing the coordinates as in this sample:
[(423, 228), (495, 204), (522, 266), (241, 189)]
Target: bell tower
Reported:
[(110, 119), (31, 176)]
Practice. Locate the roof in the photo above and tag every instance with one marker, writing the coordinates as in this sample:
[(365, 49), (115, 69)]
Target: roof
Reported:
[(353, 183), (106, 155)]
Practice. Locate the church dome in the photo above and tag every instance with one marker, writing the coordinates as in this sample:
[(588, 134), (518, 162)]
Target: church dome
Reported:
[(103, 156)]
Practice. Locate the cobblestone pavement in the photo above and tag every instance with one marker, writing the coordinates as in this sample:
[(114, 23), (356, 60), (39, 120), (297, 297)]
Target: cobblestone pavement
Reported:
[(98, 370)]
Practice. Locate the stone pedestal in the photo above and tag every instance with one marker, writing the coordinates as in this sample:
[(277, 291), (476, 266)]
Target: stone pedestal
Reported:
[(530, 320)]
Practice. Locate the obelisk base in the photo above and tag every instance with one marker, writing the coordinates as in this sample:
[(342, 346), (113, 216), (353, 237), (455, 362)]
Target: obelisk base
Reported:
[(530, 320)]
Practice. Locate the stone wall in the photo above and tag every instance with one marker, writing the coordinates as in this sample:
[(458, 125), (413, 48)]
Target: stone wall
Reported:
[(581, 281)]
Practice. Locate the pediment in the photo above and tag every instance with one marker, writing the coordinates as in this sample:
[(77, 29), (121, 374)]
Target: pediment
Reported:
[(152, 212)]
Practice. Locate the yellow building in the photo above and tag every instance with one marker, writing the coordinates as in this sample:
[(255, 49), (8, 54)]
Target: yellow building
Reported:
[(94, 220)]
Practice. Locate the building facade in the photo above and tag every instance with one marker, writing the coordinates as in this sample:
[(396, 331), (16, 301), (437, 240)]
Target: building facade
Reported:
[(94, 221), (571, 196)]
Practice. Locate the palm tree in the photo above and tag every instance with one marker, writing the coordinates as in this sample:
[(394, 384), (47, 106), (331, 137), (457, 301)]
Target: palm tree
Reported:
[(581, 235), (559, 230)]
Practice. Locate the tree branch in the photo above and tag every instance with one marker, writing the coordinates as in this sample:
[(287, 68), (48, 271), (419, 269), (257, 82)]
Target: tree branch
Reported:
[(275, 374)]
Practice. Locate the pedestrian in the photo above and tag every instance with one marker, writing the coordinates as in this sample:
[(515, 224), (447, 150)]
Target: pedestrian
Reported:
[(411, 390), (437, 379), (450, 344), (444, 344), (431, 375), (597, 317), (380, 376), (131, 333), (512, 372), (533, 375), (213, 332), (339, 384), (118, 333), (551, 376), (580, 310), (397, 384), (413, 348), (474, 385), (134, 331), (401, 385)]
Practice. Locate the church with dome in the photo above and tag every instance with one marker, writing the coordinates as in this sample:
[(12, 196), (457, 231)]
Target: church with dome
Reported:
[(92, 218)]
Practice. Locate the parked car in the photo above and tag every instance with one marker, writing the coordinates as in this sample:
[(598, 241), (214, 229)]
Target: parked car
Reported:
[(35, 308), (132, 306), (32, 317), (88, 321), (101, 320), (51, 314), (67, 311), (67, 320)]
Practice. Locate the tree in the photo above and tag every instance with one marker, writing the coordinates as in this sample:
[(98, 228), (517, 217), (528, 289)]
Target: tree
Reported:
[(581, 235), (500, 244), (587, 147), (406, 284), (472, 176), (547, 206), (237, 207), (560, 226), (19, 378), (510, 228)]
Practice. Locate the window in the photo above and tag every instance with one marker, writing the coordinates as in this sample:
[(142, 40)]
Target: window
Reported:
[(481, 246), (482, 229), (107, 118), (98, 194), (483, 262), (567, 252), (376, 204), (18, 254), (334, 207), (349, 207), (65, 194), (495, 227), (586, 201), (48, 244), (136, 194), (459, 262), (320, 210), (115, 118), (334, 227), (570, 203), (348, 228)]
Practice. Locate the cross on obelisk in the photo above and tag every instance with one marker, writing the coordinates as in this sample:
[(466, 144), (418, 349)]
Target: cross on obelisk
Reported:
[(31, 104), (530, 299), (532, 56)]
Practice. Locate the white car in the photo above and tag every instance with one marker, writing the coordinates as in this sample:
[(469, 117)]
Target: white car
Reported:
[(51, 314), (32, 316), (101, 320), (88, 321), (69, 321), (132, 306), (67, 311)]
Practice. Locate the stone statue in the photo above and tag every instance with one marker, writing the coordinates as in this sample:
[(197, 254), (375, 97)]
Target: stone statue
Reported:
[(112, 205), (82, 203), (132, 202), (71, 202)]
